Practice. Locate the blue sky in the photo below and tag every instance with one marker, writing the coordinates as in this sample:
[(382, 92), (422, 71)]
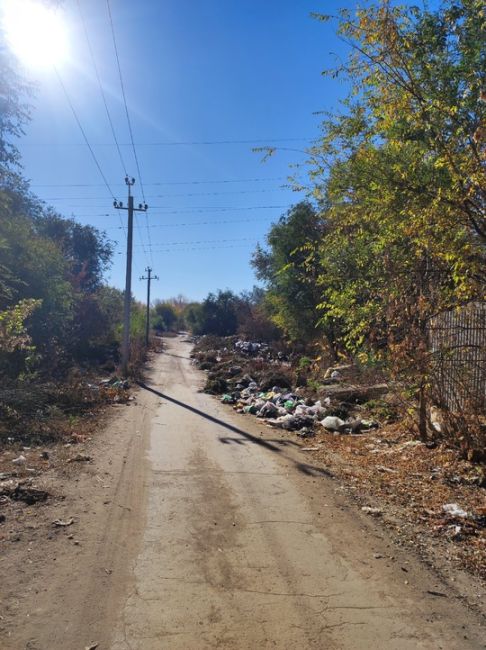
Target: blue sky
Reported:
[(218, 76)]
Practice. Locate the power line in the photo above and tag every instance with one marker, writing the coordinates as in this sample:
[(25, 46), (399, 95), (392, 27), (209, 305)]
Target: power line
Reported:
[(122, 86), (166, 196), (169, 143), (195, 223), (204, 241), (235, 180), (201, 248), (197, 209), (73, 110), (100, 85)]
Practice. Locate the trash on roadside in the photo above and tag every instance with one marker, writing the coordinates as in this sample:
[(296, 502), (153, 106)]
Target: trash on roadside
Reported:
[(61, 523), (21, 460), (332, 423), (79, 458), (24, 492), (306, 433), (454, 510), (376, 512)]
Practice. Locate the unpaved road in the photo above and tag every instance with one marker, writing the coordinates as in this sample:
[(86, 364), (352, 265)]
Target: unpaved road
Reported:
[(196, 531)]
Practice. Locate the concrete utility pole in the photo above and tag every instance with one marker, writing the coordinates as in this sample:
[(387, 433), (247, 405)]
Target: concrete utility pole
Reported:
[(149, 279), (128, 282)]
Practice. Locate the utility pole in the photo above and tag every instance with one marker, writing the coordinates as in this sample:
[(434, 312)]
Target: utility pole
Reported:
[(149, 279), (128, 281)]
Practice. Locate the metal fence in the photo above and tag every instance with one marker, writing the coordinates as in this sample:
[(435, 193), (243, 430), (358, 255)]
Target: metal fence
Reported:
[(458, 345)]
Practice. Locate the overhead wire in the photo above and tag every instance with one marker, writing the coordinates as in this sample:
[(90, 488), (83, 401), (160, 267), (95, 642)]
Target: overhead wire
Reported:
[(100, 86), (130, 130), (197, 209), (167, 196), (204, 241), (83, 133), (174, 143), (233, 180), (200, 223), (201, 248), (105, 103)]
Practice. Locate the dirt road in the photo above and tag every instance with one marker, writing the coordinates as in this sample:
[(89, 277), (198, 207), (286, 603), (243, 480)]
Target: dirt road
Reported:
[(196, 531)]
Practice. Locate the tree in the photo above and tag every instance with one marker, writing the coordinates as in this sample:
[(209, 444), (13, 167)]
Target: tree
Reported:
[(165, 316), (404, 179), (217, 314), (289, 269)]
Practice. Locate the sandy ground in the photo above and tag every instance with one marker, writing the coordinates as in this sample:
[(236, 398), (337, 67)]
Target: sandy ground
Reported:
[(195, 528)]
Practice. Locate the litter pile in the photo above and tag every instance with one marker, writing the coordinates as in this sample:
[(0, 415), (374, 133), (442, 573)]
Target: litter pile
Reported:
[(259, 380), (290, 410)]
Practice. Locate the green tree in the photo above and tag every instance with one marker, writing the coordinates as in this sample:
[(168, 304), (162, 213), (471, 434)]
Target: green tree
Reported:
[(166, 317), (289, 268), (403, 177), (217, 314)]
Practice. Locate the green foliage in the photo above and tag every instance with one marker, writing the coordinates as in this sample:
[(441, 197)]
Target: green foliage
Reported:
[(289, 268), (165, 318), (58, 263), (14, 336), (399, 176), (217, 314)]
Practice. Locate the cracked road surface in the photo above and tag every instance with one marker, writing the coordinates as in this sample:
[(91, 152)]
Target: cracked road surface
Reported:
[(197, 528)]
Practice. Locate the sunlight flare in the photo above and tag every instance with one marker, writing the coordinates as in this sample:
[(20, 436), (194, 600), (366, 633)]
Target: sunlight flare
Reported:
[(36, 34)]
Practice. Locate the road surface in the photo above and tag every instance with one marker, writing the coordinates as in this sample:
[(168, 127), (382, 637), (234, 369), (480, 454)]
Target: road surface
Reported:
[(211, 535)]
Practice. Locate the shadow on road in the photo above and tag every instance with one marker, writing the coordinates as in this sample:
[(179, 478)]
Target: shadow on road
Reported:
[(309, 470)]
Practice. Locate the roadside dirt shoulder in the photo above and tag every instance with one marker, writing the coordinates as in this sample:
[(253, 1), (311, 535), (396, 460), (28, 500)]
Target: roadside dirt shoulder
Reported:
[(61, 584)]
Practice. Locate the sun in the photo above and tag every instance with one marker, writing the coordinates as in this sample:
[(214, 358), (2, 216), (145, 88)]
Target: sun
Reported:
[(34, 32)]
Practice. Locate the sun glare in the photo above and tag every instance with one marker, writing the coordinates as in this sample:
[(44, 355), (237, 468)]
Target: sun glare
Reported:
[(35, 33)]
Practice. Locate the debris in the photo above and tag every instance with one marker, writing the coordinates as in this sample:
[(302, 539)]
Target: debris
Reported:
[(61, 523), (268, 410), (376, 512), (2, 519), (25, 493), (21, 460), (306, 433), (29, 495), (79, 458), (454, 510), (332, 423), (388, 470), (432, 592), (44, 455), (309, 448), (92, 646)]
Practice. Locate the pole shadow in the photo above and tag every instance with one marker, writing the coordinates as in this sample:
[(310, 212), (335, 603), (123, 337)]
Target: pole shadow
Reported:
[(309, 470)]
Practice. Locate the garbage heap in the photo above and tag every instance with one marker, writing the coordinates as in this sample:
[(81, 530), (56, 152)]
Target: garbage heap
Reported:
[(258, 380), (291, 410)]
